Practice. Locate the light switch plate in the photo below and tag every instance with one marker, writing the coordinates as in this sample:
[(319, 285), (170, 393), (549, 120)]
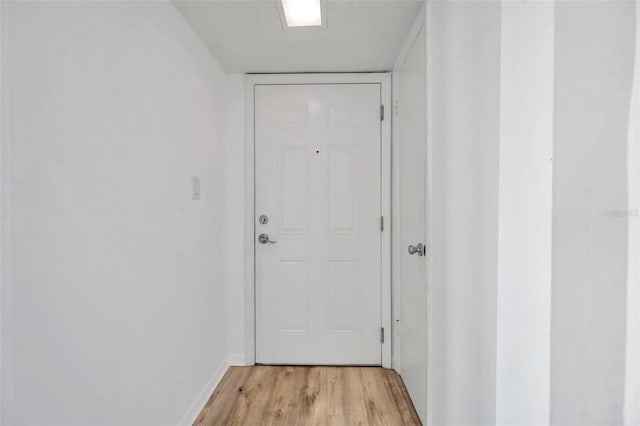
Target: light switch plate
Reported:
[(195, 188)]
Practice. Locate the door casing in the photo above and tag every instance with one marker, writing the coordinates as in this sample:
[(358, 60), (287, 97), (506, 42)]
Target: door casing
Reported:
[(253, 80)]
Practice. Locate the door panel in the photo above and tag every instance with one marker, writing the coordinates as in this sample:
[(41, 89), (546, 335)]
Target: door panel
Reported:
[(318, 180), (412, 329)]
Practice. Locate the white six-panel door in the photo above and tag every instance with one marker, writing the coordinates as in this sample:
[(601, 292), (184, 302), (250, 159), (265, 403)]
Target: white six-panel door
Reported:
[(318, 183)]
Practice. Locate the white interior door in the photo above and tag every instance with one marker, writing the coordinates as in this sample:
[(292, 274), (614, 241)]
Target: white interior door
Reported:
[(412, 274), (318, 188)]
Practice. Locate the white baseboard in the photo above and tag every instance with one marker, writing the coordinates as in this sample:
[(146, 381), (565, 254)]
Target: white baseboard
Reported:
[(196, 407), (237, 360)]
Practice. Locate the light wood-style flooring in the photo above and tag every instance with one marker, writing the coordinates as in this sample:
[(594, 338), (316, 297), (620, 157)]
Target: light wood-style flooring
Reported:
[(275, 395)]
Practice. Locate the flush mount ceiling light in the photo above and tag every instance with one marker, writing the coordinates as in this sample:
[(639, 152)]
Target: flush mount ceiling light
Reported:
[(302, 13)]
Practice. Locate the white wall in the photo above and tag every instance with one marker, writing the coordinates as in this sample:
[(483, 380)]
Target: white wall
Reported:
[(464, 56), (524, 278), (118, 276), (4, 370), (594, 53), (632, 364), (236, 318)]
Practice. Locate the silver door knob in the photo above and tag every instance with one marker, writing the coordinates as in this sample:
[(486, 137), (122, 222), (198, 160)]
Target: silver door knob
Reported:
[(417, 249), (264, 239)]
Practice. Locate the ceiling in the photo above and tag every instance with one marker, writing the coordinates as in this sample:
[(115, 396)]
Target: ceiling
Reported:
[(247, 36)]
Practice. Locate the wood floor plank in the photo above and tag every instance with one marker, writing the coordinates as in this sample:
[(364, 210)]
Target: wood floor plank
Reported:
[(401, 397), (256, 397), (346, 405), (380, 407), (286, 404), (316, 395), (301, 395), (219, 407)]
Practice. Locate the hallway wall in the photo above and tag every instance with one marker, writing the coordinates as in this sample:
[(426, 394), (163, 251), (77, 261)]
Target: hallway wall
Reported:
[(632, 367), (4, 324), (524, 248), (542, 340), (464, 38), (235, 192), (118, 276), (594, 57)]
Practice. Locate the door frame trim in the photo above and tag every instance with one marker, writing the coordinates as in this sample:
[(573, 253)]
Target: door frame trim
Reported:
[(252, 80)]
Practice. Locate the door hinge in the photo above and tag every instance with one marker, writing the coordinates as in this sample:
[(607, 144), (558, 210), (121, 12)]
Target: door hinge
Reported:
[(381, 334), (381, 223), (381, 112)]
